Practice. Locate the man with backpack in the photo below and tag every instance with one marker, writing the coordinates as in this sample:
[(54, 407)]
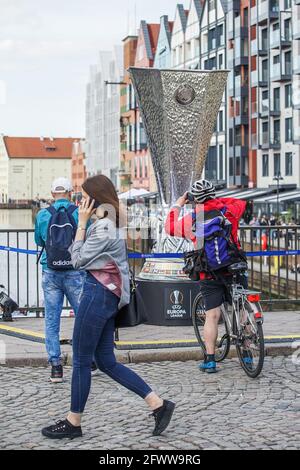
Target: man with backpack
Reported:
[(214, 223), (55, 230)]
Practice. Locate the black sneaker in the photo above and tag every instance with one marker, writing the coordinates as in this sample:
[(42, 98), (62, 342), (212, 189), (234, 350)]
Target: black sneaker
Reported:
[(57, 374), (163, 417), (62, 430)]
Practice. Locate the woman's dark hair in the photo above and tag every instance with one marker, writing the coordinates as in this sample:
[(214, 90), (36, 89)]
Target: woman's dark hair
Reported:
[(103, 191)]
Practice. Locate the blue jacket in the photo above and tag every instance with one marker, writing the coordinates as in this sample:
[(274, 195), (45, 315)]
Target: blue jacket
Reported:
[(41, 225)]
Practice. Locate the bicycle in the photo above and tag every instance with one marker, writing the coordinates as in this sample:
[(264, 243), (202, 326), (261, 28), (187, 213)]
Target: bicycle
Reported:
[(241, 324)]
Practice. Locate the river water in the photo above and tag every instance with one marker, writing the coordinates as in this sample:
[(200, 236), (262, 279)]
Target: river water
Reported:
[(16, 219)]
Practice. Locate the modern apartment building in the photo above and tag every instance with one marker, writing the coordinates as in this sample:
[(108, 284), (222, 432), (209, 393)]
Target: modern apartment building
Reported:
[(213, 56), (264, 97), (178, 50), (128, 115), (136, 167), (79, 174), (163, 52), (103, 115)]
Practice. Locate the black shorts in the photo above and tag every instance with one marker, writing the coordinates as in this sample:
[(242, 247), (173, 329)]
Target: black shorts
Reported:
[(215, 293)]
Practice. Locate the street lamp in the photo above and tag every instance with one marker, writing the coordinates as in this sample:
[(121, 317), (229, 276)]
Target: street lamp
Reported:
[(278, 178)]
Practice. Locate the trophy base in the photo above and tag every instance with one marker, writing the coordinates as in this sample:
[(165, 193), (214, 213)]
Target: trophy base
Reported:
[(163, 270), (167, 303)]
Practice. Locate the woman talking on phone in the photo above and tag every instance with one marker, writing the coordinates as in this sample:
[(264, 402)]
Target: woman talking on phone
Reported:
[(101, 252)]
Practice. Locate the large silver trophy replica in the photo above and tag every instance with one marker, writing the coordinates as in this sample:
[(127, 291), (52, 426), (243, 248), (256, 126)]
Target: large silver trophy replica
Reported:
[(179, 109)]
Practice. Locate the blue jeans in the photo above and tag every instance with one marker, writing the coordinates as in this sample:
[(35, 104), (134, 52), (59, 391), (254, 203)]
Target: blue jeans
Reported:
[(56, 285), (94, 338)]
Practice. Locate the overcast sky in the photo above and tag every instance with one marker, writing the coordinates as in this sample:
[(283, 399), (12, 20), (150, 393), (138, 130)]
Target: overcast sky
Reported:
[(45, 52)]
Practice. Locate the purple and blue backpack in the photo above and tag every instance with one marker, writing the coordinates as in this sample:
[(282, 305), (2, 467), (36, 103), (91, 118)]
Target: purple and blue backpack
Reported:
[(217, 247)]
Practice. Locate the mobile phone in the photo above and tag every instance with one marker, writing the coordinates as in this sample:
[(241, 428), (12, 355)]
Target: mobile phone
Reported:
[(190, 197)]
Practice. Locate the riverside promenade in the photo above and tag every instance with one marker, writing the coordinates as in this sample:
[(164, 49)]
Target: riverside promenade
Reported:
[(23, 340)]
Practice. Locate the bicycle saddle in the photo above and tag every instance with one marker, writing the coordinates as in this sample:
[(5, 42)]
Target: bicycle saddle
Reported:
[(238, 267)]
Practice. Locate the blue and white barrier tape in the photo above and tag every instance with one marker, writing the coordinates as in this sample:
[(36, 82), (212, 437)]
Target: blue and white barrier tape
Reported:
[(19, 250), (253, 254)]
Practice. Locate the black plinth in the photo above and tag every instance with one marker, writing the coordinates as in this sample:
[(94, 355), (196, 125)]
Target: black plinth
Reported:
[(167, 303)]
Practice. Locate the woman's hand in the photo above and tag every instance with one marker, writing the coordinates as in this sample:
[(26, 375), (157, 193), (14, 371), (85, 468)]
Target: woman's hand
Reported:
[(86, 210), (183, 200)]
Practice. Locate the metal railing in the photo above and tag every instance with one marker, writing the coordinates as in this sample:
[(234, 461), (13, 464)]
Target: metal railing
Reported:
[(275, 276)]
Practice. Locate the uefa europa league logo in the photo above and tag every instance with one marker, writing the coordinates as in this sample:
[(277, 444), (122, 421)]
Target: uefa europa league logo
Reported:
[(176, 297)]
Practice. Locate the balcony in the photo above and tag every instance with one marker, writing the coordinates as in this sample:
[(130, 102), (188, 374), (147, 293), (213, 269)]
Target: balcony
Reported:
[(263, 79), (296, 65), (275, 72), (254, 141), (242, 180), (241, 86), (240, 31), (254, 109), (254, 78), (238, 151), (264, 109), (242, 119), (265, 140), (266, 12), (274, 9), (275, 141), (263, 49), (238, 180), (296, 25), (263, 12), (275, 110), (275, 39)]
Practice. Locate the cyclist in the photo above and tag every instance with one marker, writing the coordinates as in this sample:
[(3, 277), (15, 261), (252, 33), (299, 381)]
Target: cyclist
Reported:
[(214, 292)]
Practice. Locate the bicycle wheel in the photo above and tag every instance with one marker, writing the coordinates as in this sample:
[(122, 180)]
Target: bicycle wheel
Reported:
[(250, 344), (199, 318)]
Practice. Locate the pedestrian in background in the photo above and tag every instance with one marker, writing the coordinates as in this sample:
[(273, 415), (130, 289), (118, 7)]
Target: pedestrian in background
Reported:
[(55, 229)]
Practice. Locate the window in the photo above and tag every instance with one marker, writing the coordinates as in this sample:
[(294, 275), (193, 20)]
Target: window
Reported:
[(276, 95), (231, 166), (265, 165), (220, 35), (136, 167), (141, 167), (287, 4), (288, 96), (288, 129), (265, 65), (265, 95), (211, 164), (221, 163), (210, 64), (287, 29), (277, 168), (221, 119), (265, 132), (275, 26), (276, 59), (220, 61), (211, 5), (211, 39), (277, 131), (289, 164), (288, 63), (264, 39)]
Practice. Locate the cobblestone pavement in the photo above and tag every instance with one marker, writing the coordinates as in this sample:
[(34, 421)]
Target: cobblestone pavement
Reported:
[(223, 411)]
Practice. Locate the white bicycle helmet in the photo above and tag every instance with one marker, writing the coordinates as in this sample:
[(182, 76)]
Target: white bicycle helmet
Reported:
[(203, 190)]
